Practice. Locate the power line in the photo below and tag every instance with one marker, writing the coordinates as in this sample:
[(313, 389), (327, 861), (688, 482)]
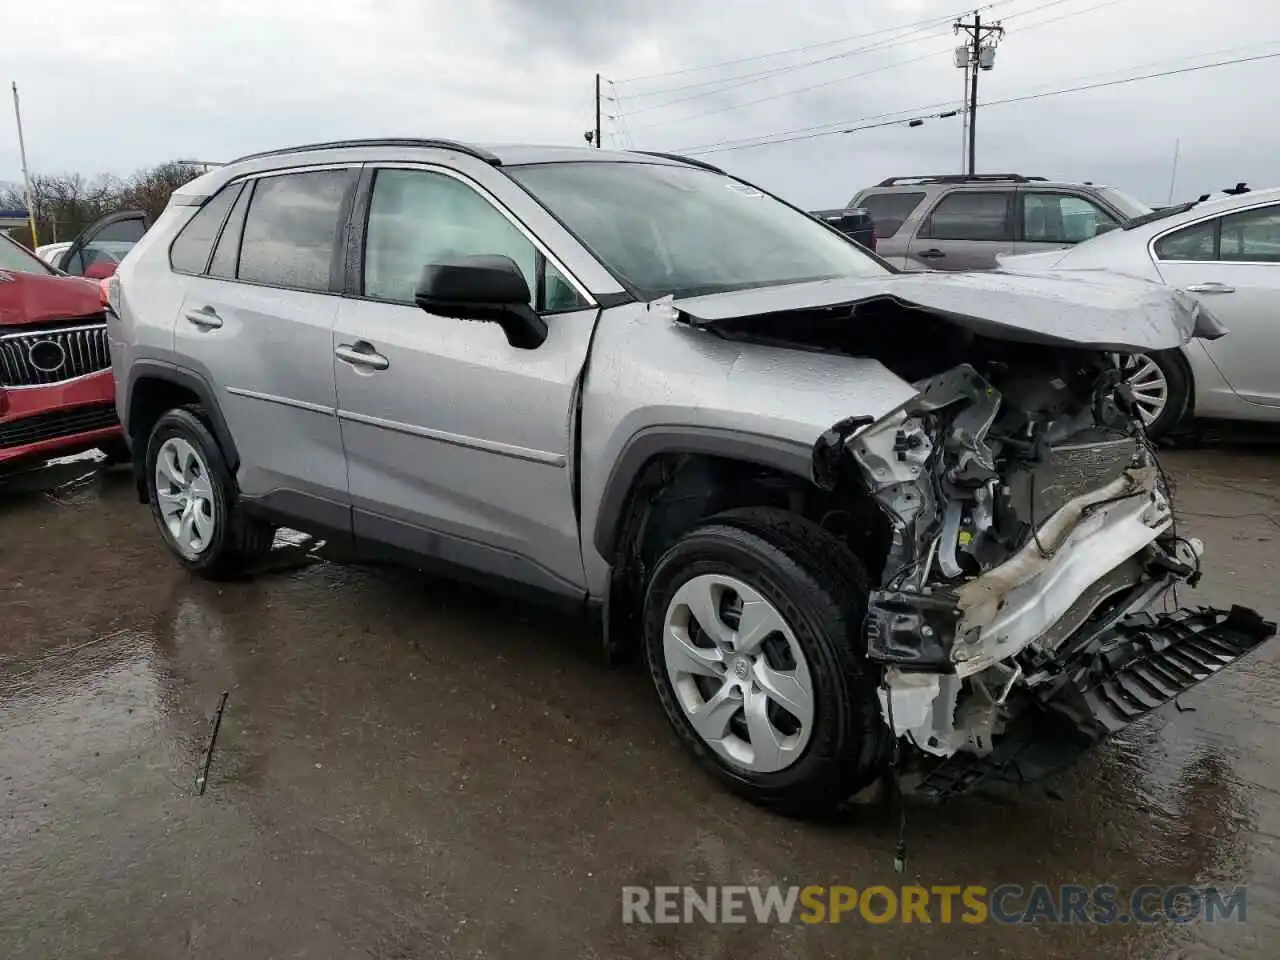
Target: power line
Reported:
[(878, 46), (793, 136), (908, 37), (804, 47), (1062, 16), (790, 93)]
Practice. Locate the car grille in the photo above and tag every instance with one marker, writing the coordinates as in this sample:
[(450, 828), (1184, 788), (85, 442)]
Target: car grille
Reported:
[(42, 357), (57, 423)]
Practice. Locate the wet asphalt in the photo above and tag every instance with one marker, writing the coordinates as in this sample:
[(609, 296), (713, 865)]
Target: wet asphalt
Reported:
[(409, 769)]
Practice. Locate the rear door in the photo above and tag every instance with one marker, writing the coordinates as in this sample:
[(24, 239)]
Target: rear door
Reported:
[(257, 325), (1232, 263), (1053, 219), (965, 230), (100, 247)]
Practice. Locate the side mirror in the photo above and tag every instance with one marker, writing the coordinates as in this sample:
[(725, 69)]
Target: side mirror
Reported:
[(100, 270), (486, 288)]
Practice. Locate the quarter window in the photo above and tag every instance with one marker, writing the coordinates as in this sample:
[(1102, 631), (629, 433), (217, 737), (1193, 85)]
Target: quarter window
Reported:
[(1196, 242), (291, 228), (190, 251), (417, 217), (970, 215), (1062, 218), (227, 254), (1252, 236)]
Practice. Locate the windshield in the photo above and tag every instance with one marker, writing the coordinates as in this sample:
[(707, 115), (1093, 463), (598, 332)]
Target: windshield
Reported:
[(14, 256), (685, 231), (1123, 202)]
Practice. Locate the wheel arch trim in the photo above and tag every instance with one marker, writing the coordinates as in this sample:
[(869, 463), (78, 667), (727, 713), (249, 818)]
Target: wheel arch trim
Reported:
[(788, 456), (189, 380)]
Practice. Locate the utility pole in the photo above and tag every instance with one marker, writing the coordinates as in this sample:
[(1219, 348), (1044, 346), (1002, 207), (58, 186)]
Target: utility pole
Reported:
[(597, 138), (981, 56), (26, 177)]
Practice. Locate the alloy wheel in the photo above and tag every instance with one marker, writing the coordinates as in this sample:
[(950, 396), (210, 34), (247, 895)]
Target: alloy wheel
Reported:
[(184, 494), (738, 673), (1149, 385)]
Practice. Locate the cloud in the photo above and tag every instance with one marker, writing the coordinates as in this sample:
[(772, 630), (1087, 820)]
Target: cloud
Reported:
[(226, 77)]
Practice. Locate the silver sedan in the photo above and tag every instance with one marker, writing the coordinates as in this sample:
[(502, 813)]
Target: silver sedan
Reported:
[(1226, 251)]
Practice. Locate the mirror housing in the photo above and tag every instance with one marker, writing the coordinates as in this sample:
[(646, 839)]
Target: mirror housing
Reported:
[(489, 289)]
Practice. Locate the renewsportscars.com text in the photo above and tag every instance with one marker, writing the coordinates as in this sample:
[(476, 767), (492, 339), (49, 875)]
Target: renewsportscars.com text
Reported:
[(972, 904)]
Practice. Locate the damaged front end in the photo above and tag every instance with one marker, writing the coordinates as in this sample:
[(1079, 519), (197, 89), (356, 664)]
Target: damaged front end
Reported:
[(1031, 535), (1023, 532)]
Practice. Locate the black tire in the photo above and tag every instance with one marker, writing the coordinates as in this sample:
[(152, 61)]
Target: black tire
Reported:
[(238, 540), (820, 588), (1179, 402)]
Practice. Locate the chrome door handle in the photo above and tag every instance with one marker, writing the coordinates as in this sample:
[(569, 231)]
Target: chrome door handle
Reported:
[(206, 318), (361, 354), (1210, 287)]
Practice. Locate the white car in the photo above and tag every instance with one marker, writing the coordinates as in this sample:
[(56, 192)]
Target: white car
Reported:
[(50, 252), (1225, 250)]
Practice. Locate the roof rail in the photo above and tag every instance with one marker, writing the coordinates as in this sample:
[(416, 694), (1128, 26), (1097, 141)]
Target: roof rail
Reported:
[(454, 145), (959, 178), (681, 159)]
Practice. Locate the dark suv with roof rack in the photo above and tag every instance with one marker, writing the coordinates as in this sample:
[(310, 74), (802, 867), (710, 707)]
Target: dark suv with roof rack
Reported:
[(955, 222)]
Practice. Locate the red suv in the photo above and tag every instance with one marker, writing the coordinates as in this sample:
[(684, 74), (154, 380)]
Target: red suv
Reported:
[(57, 395)]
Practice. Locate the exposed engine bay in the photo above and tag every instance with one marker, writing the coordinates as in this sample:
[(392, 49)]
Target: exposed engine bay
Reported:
[(1032, 542)]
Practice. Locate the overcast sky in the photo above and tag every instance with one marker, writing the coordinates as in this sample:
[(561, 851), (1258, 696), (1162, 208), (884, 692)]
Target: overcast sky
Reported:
[(115, 87)]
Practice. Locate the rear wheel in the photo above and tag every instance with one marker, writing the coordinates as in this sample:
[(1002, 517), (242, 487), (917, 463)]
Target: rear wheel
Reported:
[(754, 640), (193, 499)]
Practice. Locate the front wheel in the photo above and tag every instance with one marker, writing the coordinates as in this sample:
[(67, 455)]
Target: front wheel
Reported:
[(754, 640), (193, 499), (1161, 385)]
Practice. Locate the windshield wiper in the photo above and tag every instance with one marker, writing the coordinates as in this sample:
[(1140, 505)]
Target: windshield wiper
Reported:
[(1160, 214)]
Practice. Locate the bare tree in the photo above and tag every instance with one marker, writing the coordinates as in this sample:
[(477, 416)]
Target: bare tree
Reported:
[(67, 203)]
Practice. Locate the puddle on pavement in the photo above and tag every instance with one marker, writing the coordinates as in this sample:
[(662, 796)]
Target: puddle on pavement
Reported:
[(407, 765)]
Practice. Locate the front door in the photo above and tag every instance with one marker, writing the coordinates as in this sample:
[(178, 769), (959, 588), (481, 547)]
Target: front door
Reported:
[(966, 230), (98, 249), (459, 446), (1232, 263), (257, 324)]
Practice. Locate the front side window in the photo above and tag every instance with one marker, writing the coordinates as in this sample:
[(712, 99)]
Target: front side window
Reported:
[(889, 210), (970, 215), (1252, 236), (1062, 218), (15, 257), (664, 229), (1196, 242), (290, 231), (103, 253), (417, 217)]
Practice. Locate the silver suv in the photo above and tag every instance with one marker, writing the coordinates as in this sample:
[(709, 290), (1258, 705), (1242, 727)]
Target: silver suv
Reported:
[(952, 222), (833, 504)]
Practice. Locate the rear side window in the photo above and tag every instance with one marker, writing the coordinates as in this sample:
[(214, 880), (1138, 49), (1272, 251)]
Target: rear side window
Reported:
[(290, 231), (970, 215), (889, 210), (1251, 236), (190, 251)]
